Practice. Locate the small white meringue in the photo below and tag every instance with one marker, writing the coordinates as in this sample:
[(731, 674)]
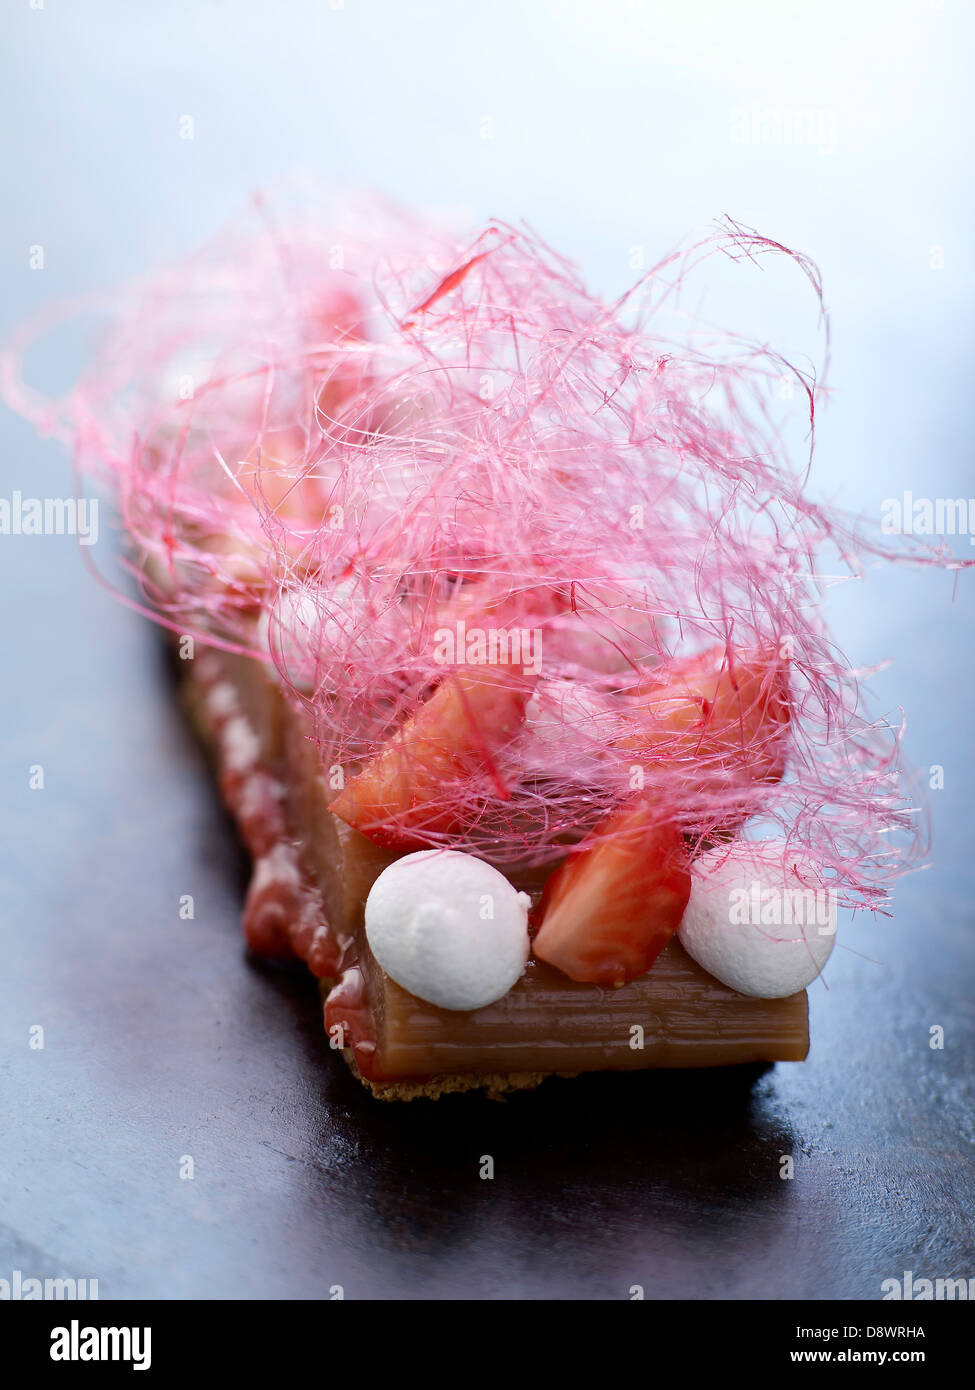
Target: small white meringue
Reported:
[(760, 918), (449, 928)]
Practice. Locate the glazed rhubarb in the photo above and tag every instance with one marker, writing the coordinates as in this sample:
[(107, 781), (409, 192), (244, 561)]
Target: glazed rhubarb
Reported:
[(311, 880), (675, 1016)]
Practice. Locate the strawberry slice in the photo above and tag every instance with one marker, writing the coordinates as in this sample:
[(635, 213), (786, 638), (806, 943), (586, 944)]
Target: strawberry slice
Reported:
[(721, 705), (404, 790), (611, 908)]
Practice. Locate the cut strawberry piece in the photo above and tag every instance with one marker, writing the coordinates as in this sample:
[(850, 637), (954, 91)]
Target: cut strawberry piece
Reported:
[(720, 705), (611, 908), (452, 737)]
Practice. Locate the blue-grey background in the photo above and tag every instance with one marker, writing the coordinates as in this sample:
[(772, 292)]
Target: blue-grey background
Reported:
[(609, 127)]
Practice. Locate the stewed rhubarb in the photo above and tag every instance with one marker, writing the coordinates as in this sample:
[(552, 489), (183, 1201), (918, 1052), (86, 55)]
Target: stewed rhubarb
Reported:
[(314, 890)]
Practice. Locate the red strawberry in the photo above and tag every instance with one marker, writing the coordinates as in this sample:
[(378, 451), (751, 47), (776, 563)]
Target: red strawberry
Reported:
[(611, 908), (714, 705), (451, 738)]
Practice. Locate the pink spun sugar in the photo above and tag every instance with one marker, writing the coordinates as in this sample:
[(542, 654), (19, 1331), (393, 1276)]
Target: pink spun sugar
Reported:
[(374, 457)]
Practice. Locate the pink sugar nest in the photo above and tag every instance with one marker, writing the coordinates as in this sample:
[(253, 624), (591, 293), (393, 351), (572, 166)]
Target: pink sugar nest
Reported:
[(349, 443)]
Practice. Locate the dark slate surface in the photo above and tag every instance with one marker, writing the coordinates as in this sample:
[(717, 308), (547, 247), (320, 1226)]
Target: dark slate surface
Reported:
[(161, 1039)]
